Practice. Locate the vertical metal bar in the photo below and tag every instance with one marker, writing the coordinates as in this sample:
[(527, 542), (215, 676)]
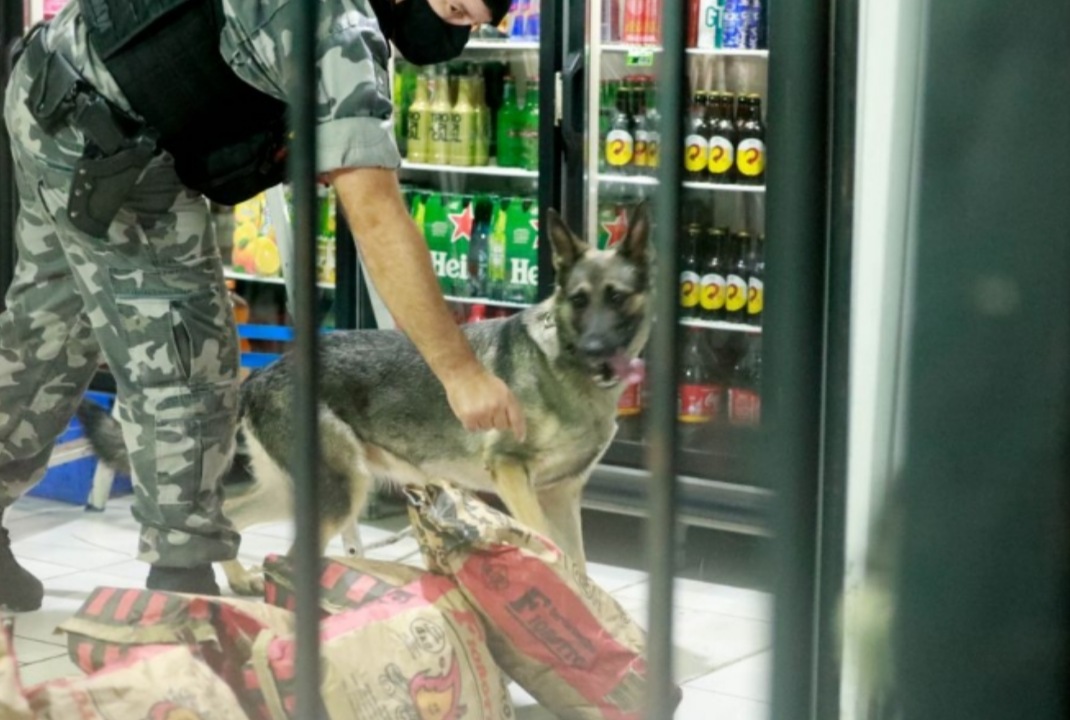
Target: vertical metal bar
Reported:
[(793, 373), (832, 501), (983, 554), (662, 431), (11, 28), (306, 456), (550, 142), (347, 289)]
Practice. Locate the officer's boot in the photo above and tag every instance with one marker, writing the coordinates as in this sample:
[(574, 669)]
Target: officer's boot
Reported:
[(197, 580), (19, 590)]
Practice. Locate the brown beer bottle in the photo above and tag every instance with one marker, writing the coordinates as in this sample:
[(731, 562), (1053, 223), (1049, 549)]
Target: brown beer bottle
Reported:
[(696, 140), (722, 141), (689, 273), (714, 269), (736, 280), (756, 282), (750, 147)]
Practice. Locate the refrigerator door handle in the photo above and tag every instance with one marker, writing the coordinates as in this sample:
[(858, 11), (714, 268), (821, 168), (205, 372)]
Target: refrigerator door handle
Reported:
[(572, 128)]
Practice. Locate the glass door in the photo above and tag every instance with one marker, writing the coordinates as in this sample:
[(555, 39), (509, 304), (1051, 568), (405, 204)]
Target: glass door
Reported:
[(721, 240)]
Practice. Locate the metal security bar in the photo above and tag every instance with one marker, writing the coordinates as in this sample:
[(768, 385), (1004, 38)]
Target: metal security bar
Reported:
[(302, 166), (664, 363), (11, 22)]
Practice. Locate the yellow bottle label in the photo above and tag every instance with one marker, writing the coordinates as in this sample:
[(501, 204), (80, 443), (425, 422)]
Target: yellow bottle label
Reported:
[(712, 292), (736, 299), (722, 155), (750, 157), (689, 289), (620, 148), (755, 297), (696, 149)]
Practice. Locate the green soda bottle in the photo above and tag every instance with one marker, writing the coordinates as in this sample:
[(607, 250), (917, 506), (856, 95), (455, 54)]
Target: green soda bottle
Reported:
[(530, 133), (510, 118)]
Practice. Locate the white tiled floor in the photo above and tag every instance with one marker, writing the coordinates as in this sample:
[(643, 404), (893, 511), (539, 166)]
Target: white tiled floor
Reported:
[(722, 633)]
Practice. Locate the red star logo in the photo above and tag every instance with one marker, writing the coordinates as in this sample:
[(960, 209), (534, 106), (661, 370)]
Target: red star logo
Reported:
[(617, 229), (462, 223)]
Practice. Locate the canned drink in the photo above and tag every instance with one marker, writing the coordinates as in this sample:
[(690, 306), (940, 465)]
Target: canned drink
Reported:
[(711, 18), (754, 24), (734, 24)]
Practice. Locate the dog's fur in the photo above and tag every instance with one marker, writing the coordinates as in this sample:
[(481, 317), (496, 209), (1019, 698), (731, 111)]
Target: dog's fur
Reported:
[(385, 417)]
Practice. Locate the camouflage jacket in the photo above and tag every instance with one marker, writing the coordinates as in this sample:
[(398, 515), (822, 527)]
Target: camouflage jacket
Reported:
[(354, 109)]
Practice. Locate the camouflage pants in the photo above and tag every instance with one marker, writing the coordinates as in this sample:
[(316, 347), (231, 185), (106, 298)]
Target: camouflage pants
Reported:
[(150, 299)]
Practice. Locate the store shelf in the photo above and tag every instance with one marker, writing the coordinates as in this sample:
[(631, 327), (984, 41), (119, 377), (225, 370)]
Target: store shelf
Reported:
[(722, 325), (720, 52), (245, 277), (486, 301), (651, 181), (488, 170), (503, 45)]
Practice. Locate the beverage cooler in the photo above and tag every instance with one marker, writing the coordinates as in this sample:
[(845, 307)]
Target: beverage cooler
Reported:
[(522, 122)]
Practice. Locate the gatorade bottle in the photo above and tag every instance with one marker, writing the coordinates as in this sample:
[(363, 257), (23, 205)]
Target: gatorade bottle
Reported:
[(462, 133), (510, 118), (440, 118), (419, 123), (530, 134)]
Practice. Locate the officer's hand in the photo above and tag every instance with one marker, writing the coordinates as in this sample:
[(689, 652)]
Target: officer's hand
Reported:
[(481, 401)]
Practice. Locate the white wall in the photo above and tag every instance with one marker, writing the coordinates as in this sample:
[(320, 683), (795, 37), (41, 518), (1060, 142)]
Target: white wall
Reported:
[(889, 53)]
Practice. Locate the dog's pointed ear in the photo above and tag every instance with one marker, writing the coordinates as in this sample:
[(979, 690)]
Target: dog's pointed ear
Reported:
[(568, 248), (636, 244)]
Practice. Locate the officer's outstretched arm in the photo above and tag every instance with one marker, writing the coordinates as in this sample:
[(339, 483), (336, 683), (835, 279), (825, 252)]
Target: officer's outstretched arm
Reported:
[(399, 263)]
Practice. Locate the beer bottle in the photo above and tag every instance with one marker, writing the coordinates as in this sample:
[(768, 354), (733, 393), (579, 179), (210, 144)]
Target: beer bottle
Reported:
[(722, 140), (530, 132), (696, 140), (756, 282), (695, 399), (462, 134), (736, 298), (620, 141), (714, 268), (440, 118), (510, 119), (689, 273), (744, 394), (419, 128), (642, 130), (481, 150), (750, 151), (653, 122)]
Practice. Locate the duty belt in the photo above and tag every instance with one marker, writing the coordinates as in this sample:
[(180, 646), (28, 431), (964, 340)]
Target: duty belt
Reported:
[(118, 147)]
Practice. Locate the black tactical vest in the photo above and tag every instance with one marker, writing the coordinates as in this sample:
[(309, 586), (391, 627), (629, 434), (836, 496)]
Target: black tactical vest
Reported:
[(228, 138)]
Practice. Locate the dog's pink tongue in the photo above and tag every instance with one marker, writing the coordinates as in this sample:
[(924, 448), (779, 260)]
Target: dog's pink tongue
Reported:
[(627, 370)]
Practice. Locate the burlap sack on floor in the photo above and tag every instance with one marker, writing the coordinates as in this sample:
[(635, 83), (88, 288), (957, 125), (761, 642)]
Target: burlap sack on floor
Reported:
[(414, 652), (560, 636), (346, 583)]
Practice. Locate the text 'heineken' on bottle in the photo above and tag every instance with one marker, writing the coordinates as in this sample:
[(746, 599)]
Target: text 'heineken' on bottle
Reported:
[(482, 245)]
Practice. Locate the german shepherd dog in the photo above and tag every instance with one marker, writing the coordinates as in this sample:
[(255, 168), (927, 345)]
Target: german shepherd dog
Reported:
[(384, 416)]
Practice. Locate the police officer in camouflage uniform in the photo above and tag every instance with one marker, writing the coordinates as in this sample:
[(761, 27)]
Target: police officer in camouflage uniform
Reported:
[(117, 257)]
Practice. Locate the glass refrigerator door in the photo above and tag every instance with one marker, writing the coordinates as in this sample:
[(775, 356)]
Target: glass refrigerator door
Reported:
[(469, 134), (721, 240)]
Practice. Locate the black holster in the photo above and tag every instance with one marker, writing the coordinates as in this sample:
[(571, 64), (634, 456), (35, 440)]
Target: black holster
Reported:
[(118, 148)]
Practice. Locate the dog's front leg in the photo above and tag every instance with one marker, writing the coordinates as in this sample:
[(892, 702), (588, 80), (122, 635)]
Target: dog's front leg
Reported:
[(561, 504), (513, 485), (241, 580)]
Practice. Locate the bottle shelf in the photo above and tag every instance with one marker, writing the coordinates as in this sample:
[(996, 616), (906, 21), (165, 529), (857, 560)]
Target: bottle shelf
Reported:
[(617, 47), (488, 170), (486, 301), (245, 277), (722, 325), (506, 45), (692, 185)]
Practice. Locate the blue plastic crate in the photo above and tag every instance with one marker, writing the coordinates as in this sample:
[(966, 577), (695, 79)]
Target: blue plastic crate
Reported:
[(71, 482)]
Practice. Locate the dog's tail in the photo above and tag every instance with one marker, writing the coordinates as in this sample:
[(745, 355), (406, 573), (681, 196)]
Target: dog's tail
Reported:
[(105, 436)]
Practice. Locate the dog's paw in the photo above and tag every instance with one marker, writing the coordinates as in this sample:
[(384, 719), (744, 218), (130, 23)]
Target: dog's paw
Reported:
[(250, 584)]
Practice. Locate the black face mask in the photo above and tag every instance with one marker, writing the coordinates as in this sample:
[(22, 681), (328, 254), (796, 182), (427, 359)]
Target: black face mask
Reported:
[(423, 37)]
